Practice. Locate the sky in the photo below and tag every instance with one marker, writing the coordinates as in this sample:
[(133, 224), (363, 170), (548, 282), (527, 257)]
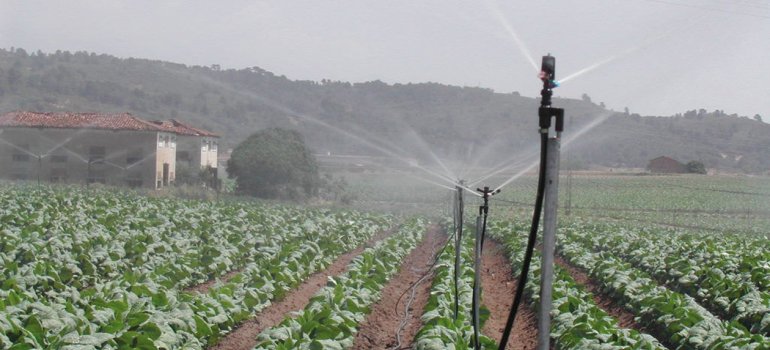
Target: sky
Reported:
[(655, 57)]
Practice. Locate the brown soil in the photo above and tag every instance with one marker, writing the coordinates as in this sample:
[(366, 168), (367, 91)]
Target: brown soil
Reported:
[(625, 318), (204, 287), (379, 329), (498, 289), (244, 337)]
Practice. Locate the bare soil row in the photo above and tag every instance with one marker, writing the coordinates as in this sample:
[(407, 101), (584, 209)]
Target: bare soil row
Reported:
[(388, 327), (382, 327), (498, 288), (244, 337)]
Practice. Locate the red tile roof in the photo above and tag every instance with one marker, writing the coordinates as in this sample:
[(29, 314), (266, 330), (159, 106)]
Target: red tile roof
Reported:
[(182, 128), (119, 121)]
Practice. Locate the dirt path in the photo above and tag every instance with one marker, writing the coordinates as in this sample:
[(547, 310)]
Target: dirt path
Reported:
[(625, 318), (498, 288), (245, 336), (379, 329)]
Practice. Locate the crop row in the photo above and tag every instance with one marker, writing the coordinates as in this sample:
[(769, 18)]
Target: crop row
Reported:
[(133, 311), (577, 322), (440, 329), (676, 318), (715, 203), (330, 320), (80, 239), (707, 269)]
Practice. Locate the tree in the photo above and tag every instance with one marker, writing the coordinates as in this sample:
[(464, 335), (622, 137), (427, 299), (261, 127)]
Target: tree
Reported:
[(274, 163), (696, 167), (757, 117)]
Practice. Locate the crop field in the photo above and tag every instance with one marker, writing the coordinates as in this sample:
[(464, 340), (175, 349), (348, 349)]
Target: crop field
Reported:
[(100, 270), (643, 262)]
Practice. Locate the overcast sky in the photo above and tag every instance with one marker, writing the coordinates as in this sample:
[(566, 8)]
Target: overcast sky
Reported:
[(656, 57)]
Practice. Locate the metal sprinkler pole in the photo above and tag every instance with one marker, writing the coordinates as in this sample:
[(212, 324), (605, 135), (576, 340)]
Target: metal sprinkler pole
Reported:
[(458, 244), (569, 178), (550, 206), (481, 227), (550, 200), (477, 285), (39, 168), (88, 175)]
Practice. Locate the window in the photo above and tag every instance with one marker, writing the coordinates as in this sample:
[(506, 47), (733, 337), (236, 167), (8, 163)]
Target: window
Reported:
[(213, 146), (173, 141), (160, 141), (58, 159), (204, 145)]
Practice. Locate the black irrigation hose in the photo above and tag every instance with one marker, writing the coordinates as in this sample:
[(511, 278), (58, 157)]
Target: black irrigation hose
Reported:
[(438, 256), (530, 243), (483, 230), (476, 285)]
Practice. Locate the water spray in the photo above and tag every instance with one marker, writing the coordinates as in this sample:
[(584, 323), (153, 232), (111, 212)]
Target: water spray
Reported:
[(364, 138), (644, 44), (513, 33), (547, 188)]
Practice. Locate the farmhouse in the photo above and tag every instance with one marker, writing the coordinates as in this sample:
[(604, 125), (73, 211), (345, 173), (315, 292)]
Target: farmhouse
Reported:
[(666, 165), (113, 149)]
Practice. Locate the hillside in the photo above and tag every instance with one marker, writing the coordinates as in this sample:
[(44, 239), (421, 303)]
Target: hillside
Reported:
[(455, 122)]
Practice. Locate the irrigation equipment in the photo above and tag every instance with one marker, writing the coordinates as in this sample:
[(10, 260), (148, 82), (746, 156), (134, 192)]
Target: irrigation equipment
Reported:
[(481, 223), (486, 192), (481, 227), (546, 189), (458, 226)]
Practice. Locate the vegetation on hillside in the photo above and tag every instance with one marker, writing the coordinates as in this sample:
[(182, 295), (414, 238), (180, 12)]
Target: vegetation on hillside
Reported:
[(452, 121)]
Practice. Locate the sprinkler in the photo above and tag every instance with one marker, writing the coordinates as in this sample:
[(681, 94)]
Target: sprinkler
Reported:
[(547, 191), (486, 192), (546, 112), (481, 228)]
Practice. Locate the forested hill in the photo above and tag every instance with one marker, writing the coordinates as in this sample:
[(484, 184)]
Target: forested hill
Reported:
[(454, 122)]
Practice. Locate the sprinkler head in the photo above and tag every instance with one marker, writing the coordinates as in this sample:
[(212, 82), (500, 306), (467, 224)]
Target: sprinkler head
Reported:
[(548, 72), (548, 68)]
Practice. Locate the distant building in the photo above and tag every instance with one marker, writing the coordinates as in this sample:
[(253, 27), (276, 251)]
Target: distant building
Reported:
[(196, 148), (113, 149), (666, 165)]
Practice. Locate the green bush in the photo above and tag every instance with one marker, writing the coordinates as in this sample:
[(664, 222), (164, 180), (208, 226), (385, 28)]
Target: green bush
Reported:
[(274, 163)]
